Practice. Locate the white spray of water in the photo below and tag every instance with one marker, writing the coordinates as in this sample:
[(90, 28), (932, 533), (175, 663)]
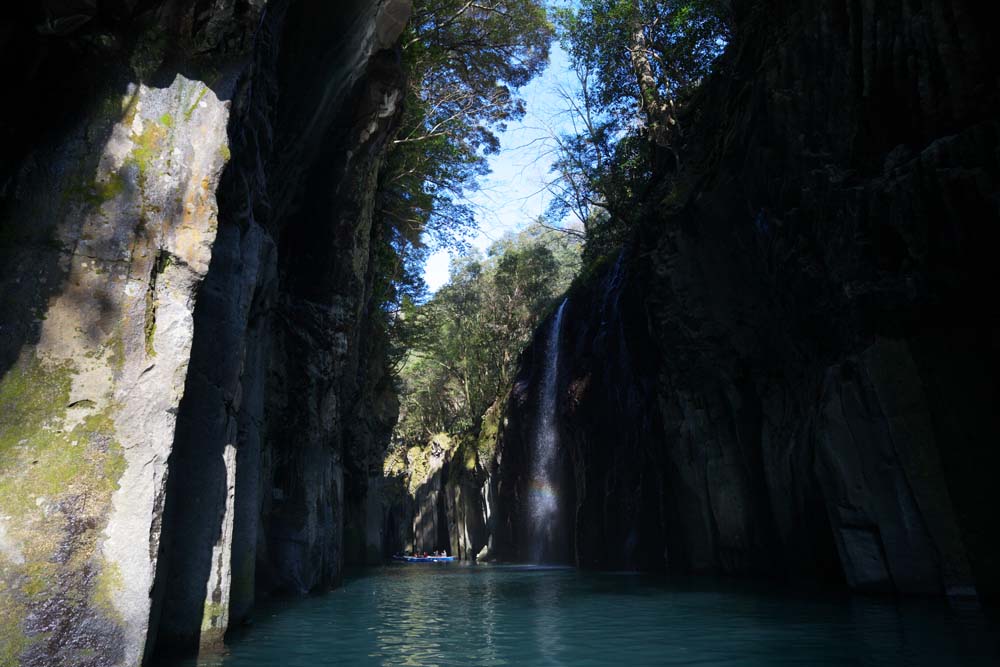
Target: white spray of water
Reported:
[(544, 495)]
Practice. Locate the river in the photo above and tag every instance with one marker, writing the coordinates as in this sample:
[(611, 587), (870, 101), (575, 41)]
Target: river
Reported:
[(505, 615)]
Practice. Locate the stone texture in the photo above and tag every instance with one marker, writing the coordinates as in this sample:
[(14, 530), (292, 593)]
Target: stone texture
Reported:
[(129, 244), (790, 370), (284, 356), (437, 497), (186, 339)]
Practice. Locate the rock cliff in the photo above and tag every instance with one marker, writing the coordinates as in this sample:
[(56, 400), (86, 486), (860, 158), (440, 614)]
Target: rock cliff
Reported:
[(791, 368), (438, 496), (190, 377)]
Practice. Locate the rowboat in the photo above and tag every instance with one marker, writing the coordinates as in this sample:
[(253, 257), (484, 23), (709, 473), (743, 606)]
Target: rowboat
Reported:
[(424, 559)]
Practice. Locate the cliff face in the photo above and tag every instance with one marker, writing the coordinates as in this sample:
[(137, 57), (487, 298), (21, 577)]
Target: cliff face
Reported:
[(792, 369), (186, 275), (438, 496)]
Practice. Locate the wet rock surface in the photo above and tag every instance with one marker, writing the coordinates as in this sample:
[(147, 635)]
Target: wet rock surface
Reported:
[(791, 369)]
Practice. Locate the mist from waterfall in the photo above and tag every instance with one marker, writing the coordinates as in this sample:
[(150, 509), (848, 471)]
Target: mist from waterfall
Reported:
[(544, 494)]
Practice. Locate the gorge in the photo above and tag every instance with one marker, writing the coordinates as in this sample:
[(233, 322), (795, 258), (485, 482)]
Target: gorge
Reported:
[(781, 367)]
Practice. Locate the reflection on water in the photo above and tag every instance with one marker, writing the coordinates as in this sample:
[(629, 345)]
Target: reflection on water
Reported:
[(462, 615)]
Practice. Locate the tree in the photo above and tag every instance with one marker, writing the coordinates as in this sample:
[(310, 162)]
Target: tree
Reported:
[(646, 56), (466, 339), (465, 62), (637, 63)]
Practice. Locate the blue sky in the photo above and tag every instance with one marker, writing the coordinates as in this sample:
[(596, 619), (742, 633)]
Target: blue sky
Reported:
[(514, 193)]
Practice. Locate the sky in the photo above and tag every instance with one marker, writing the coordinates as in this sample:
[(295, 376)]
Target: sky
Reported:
[(514, 193)]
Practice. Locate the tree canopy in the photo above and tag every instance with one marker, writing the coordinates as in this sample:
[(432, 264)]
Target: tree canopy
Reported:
[(465, 63), (463, 343), (637, 64)]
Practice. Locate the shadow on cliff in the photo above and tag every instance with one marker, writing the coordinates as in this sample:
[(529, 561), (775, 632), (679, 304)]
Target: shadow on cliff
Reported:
[(257, 489), (76, 69), (71, 232)]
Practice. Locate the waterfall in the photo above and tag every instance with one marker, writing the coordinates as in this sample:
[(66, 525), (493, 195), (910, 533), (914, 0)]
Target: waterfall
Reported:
[(544, 495)]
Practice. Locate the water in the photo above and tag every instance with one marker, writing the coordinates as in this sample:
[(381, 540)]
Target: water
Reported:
[(521, 616), (544, 496)]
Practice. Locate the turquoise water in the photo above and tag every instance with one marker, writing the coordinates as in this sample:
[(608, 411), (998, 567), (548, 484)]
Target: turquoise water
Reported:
[(492, 615)]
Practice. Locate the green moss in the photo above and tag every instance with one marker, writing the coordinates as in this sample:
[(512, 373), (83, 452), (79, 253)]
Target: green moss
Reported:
[(163, 261), (418, 459), (116, 345), (94, 193), (50, 464), (225, 153), (50, 474), (194, 105), (167, 120), (149, 325), (147, 147), (109, 584), (214, 615), (38, 575), (30, 398), (489, 431), (13, 642), (465, 460), (394, 464), (103, 191)]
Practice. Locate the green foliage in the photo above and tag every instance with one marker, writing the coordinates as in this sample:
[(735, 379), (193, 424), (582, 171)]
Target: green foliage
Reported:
[(465, 341), (465, 63), (637, 64), (614, 39)]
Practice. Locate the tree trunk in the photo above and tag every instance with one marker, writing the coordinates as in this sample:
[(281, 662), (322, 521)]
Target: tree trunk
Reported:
[(653, 105)]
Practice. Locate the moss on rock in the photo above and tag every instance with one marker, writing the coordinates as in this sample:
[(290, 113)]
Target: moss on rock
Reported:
[(489, 432), (147, 148), (56, 484)]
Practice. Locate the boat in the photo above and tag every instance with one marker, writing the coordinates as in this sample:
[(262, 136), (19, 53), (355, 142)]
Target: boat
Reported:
[(424, 559)]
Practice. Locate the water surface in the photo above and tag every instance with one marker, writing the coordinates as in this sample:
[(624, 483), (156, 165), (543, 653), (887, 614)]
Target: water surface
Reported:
[(503, 615)]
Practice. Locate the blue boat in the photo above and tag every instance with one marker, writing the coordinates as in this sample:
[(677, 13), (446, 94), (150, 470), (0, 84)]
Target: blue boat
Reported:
[(424, 559)]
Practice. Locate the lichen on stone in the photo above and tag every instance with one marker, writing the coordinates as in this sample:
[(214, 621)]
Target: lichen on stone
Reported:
[(56, 484), (147, 148)]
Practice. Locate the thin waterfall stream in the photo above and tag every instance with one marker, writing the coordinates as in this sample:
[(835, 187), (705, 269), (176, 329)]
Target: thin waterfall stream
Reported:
[(544, 496)]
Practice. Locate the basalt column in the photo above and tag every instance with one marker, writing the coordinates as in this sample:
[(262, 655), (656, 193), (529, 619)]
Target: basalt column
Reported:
[(791, 371), (186, 193), (279, 367)]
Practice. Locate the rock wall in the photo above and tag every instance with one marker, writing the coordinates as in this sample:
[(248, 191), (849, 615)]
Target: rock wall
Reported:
[(791, 370), (438, 497), (185, 273)]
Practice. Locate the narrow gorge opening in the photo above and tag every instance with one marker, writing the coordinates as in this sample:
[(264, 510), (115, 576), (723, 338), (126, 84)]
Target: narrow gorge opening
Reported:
[(416, 299)]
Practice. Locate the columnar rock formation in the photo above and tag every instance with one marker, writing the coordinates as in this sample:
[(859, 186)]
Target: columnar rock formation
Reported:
[(185, 347), (790, 369), (793, 368)]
